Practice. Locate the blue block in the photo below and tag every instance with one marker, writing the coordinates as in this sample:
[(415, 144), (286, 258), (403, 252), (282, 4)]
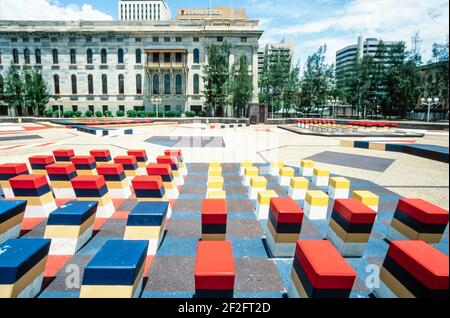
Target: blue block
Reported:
[(118, 262), (91, 193), (148, 214), (21, 192), (361, 144), (395, 147), (141, 193), (9, 209), (73, 213), (18, 256)]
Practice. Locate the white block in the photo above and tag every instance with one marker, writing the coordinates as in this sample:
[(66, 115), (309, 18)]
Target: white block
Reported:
[(246, 180), (284, 181), (306, 172), (8, 193), (40, 211), (279, 249), (64, 193), (274, 171), (123, 193), (69, 246), (253, 192), (169, 212), (262, 211), (321, 181), (338, 193), (105, 211), (12, 233), (317, 212), (179, 180), (297, 194), (33, 289), (346, 249)]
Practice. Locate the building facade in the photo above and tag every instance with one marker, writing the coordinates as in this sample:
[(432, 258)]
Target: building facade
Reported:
[(266, 55), (144, 10), (112, 65)]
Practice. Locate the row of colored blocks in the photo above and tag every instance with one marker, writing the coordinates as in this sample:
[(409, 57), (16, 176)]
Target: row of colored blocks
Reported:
[(410, 269), (215, 182)]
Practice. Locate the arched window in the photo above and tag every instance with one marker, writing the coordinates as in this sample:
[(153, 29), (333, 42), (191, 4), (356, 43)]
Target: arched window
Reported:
[(74, 84), (73, 56), (55, 56), (121, 85), (196, 84), (156, 84), (138, 56), (104, 84), (37, 55), (56, 84), (104, 56), (167, 84), (196, 56), (15, 56), (138, 84), (179, 84), (26, 55), (120, 56), (90, 84), (1, 84), (89, 56)]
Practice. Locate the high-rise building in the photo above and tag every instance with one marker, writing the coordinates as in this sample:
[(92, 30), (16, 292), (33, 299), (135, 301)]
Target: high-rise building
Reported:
[(267, 55), (144, 10)]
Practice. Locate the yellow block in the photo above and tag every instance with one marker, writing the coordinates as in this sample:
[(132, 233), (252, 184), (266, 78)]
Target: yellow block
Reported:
[(40, 172), (92, 172), (299, 183), (394, 285), (10, 223), (340, 183), (251, 172), (377, 146), (5, 184), (117, 184), (277, 164), (215, 183), (169, 185), (265, 196), (258, 182), (102, 201), (110, 291), (142, 232), (287, 172), (307, 164), (61, 184), (13, 290), (246, 164), (68, 231), (214, 237), (43, 199), (215, 164), (282, 237), (215, 172), (321, 172), (347, 143), (316, 198), (348, 237), (217, 195), (366, 197), (130, 173)]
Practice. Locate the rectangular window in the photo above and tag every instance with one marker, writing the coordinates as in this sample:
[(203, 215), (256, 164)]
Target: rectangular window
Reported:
[(54, 40), (25, 40), (138, 39), (72, 40), (178, 57), (167, 108), (155, 57), (122, 108), (103, 40), (244, 39), (166, 57), (220, 39), (105, 108), (178, 39), (166, 39), (55, 108), (37, 40), (91, 108), (74, 108), (14, 40), (89, 39), (196, 39), (155, 39)]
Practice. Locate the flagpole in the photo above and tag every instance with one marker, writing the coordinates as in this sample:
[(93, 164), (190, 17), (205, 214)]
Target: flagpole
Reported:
[(210, 9)]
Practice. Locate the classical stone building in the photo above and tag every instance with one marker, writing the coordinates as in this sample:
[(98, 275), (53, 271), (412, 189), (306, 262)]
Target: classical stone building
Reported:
[(111, 65)]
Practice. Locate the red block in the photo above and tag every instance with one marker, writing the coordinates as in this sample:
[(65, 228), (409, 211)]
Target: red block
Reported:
[(167, 160), (324, 266), (137, 153), (125, 160), (100, 153), (214, 266), (28, 181), (63, 153), (88, 182), (60, 168), (147, 182), (155, 169), (173, 152), (286, 210), (214, 211), (354, 211), (109, 168), (423, 211), (423, 261), (13, 168), (41, 160), (83, 160)]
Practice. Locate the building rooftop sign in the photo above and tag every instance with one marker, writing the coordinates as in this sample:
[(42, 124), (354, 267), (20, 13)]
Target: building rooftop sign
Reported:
[(213, 13)]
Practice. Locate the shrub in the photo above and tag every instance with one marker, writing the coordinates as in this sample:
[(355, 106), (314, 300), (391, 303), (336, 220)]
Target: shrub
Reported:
[(142, 114), (120, 113), (57, 114), (48, 113), (107, 113), (151, 114), (68, 114), (77, 114), (88, 113), (98, 114), (172, 113), (190, 113), (132, 113), (202, 114)]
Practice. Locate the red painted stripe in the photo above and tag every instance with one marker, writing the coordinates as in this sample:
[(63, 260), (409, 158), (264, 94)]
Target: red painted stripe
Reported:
[(286, 210), (423, 211), (354, 211)]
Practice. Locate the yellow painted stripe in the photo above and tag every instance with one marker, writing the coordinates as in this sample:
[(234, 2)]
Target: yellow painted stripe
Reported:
[(307, 164), (258, 182), (265, 196), (277, 164), (298, 284), (102, 201), (117, 184), (68, 231), (42, 200), (251, 172), (349, 237), (316, 198), (340, 183), (61, 184), (213, 237), (217, 195), (321, 172), (287, 172), (92, 172), (299, 183), (394, 285), (215, 164), (143, 232), (366, 197), (12, 222), (282, 237)]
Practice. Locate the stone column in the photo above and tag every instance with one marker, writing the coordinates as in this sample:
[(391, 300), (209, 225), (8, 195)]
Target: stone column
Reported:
[(255, 98)]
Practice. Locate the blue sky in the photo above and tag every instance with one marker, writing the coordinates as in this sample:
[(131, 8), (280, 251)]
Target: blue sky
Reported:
[(308, 23)]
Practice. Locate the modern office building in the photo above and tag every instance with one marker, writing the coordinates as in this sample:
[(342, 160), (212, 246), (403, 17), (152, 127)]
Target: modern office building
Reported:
[(111, 65), (144, 10), (220, 13), (266, 56)]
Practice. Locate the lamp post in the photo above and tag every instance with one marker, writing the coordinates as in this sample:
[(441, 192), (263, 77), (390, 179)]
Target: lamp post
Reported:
[(156, 100), (430, 101), (333, 102)]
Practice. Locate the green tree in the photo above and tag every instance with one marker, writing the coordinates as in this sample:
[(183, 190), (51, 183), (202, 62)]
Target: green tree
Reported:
[(216, 77), (13, 91), (241, 86), (292, 90), (37, 93)]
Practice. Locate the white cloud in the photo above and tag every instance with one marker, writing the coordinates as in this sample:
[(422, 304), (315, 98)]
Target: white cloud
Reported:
[(48, 10)]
